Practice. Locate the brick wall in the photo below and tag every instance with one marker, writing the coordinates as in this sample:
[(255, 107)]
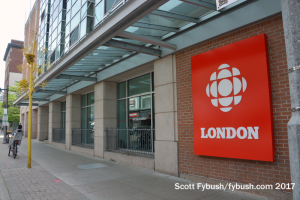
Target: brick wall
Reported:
[(16, 58), (242, 171)]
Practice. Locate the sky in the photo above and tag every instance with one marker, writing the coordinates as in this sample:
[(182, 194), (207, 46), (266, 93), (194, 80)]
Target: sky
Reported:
[(12, 15)]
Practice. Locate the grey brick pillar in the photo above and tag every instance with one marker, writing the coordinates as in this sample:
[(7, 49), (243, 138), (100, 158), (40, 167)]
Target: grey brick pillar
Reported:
[(291, 25)]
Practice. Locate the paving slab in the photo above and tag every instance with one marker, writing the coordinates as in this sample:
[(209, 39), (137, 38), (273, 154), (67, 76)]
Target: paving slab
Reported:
[(61, 174)]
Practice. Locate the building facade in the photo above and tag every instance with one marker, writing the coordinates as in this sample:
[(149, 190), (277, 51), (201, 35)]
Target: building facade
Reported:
[(12, 57), (31, 30), (121, 87)]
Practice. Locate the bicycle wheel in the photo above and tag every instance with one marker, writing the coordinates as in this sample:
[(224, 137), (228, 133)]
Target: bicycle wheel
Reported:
[(9, 151), (15, 150)]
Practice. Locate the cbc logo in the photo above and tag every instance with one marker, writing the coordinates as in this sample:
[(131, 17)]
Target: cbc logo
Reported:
[(225, 87)]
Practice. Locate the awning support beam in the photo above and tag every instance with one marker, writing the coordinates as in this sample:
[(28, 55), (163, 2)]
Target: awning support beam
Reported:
[(133, 47), (27, 104), (36, 99), (156, 27), (73, 77), (51, 91), (148, 39)]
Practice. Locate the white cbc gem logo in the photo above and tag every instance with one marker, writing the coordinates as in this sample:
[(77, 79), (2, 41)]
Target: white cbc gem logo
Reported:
[(225, 87)]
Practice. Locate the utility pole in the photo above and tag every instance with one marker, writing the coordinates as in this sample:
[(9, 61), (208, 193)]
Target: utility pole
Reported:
[(5, 132)]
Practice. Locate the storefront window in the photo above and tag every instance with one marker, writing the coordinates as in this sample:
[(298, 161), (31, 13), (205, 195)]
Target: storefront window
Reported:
[(87, 118), (63, 115), (136, 113), (62, 121), (139, 100)]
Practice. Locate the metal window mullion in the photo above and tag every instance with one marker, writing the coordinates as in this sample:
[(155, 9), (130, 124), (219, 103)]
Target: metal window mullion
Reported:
[(127, 112), (151, 131)]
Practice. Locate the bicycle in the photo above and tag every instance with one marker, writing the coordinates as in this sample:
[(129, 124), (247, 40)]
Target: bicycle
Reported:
[(14, 141)]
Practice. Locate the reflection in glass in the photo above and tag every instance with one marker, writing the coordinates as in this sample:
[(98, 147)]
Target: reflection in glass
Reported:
[(99, 12), (90, 99), (139, 85), (121, 90)]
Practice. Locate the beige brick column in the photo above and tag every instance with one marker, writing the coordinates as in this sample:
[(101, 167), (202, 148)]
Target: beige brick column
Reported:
[(25, 129), (43, 120), (105, 113), (54, 118), (166, 135), (73, 116), (33, 126)]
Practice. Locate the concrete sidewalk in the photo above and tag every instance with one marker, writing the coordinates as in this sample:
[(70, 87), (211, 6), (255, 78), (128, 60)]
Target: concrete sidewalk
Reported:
[(61, 174)]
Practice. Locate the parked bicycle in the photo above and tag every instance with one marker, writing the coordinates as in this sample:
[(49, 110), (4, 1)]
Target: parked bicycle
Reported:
[(14, 141)]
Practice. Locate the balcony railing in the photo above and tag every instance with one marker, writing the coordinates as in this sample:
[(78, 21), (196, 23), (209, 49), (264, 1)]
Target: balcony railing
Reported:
[(83, 137), (131, 141), (59, 135)]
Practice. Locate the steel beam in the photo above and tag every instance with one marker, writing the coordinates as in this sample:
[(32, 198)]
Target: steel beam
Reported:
[(156, 27), (100, 51), (73, 77), (201, 4), (92, 62), (103, 57), (174, 16), (83, 66), (148, 39), (51, 91), (27, 104), (133, 47), (82, 70), (35, 99)]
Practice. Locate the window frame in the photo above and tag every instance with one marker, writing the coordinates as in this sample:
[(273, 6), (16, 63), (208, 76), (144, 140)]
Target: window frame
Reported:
[(151, 93)]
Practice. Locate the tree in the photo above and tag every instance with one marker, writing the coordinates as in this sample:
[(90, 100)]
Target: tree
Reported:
[(13, 111)]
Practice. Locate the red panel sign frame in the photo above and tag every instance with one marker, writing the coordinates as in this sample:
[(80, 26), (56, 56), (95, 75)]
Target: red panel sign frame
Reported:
[(233, 113)]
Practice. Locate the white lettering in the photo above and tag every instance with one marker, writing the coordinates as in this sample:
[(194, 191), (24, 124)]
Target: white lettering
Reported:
[(221, 132), (231, 133), (252, 132), (228, 129), (238, 133), (202, 133), (214, 133)]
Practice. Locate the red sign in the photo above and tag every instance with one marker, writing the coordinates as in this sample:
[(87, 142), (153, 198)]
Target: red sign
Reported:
[(133, 115), (232, 104)]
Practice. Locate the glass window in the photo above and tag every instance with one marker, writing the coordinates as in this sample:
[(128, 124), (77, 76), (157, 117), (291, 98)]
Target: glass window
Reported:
[(63, 115), (83, 118), (75, 21), (90, 10), (121, 114), (121, 90), (135, 112), (83, 28), (90, 24), (74, 36), (90, 117), (75, 8), (99, 12), (90, 99), (68, 29), (68, 17), (139, 85), (83, 100), (109, 4), (87, 118)]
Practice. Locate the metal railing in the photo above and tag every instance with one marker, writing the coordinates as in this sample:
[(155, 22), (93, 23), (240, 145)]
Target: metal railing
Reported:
[(83, 137), (59, 135), (131, 141)]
